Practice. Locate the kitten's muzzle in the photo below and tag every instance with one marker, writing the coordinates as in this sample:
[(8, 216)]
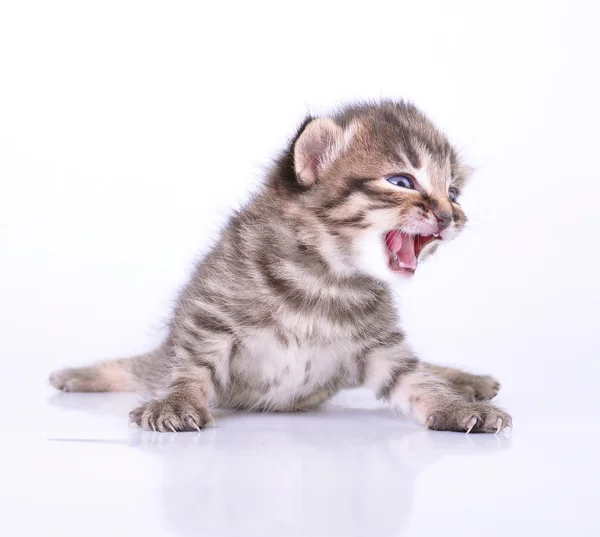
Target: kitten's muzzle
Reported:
[(443, 218)]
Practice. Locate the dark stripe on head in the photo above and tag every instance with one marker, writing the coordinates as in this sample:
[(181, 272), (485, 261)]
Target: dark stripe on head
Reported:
[(368, 188), (409, 151), (429, 201), (355, 184), (355, 221)]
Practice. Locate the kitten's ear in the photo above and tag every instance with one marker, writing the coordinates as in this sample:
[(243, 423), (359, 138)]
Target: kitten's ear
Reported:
[(317, 146)]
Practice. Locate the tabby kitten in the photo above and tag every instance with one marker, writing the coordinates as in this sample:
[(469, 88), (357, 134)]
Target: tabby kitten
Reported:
[(293, 303)]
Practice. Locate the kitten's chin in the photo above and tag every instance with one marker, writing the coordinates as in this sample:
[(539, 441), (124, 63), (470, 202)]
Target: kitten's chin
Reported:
[(402, 272)]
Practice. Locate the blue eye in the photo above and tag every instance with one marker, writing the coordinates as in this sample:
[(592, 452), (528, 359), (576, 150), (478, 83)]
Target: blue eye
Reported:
[(453, 194), (402, 181)]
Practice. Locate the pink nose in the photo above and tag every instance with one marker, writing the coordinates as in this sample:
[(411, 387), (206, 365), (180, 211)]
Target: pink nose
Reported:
[(443, 219)]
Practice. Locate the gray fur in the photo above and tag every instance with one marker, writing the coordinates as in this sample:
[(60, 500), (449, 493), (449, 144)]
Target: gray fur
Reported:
[(282, 313)]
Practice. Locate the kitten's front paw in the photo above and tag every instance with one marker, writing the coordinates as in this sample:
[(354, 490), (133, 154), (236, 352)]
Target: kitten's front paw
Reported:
[(168, 415), (477, 417)]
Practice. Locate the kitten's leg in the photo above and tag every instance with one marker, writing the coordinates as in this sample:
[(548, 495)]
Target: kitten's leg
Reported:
[(197, 372), (421, 393), (476, 387), (184, 407), (138, 373), (107, 376)]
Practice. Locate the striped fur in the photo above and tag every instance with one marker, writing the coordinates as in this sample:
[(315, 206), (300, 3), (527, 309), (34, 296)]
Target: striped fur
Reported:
[(294, 303)]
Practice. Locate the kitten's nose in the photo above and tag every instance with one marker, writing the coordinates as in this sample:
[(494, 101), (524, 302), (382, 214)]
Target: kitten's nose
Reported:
[(444, 218)]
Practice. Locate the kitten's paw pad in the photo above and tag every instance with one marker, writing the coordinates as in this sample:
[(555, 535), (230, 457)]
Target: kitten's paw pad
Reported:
[(479, 417), (167, 416)]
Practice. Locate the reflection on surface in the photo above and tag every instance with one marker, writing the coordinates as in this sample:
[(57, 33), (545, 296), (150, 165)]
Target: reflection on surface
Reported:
[(343, 471)]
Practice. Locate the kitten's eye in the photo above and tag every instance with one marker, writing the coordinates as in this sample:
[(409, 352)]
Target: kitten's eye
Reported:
[(401, 180), (453, 194)]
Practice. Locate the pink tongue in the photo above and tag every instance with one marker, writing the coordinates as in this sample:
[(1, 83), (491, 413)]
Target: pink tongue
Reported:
[(404, 246)]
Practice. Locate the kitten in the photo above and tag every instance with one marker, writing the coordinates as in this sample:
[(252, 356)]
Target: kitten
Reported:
[(293, 303)]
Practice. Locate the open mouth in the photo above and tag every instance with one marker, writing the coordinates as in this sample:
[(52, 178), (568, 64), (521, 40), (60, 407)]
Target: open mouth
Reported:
[(404, 250)]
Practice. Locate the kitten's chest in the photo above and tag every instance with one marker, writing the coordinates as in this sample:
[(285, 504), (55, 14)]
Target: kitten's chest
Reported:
[(282, 368)]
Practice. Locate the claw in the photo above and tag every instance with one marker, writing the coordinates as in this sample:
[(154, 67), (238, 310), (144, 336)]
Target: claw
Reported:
[(429, 422), (471, 424), (171, 427), (195, 425), (499, 424)]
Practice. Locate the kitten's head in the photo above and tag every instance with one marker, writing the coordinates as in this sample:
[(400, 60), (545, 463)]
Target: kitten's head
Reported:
[(382, 181)]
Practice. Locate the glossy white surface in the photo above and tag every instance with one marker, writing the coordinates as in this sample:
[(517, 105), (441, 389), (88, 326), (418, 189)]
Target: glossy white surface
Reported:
[(352, 469)]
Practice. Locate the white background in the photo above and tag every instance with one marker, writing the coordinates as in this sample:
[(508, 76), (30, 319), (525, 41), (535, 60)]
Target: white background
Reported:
[(128, 130)]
